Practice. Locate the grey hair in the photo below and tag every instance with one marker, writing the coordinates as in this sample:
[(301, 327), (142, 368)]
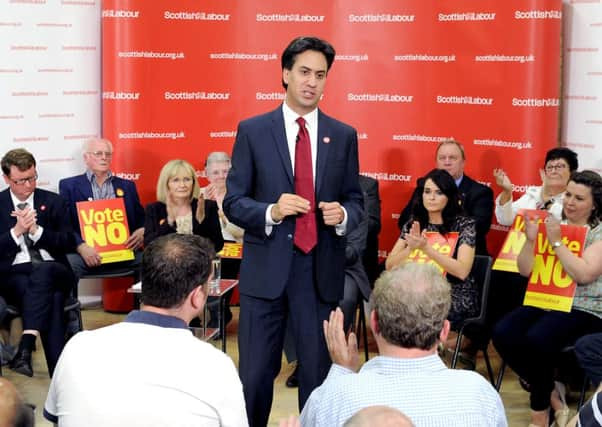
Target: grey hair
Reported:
[(411, 303)]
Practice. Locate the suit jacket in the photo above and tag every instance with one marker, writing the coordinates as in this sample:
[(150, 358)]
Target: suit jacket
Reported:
[(78, 189), (57, 238), (156, 223), (261, 171), (369, 188), (360, 242), (477, 200)]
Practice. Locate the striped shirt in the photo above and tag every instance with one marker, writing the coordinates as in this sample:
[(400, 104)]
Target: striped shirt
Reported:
[(104, 191), (422, 388)]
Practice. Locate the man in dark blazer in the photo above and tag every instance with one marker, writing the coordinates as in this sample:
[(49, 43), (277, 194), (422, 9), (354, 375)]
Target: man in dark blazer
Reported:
[(361, 240), (99, 183), (35, 235), (285, 274), (477, 199)]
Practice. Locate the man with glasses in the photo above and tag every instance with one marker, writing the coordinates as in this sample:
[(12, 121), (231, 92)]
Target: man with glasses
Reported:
[(97, 183), (35, 235)]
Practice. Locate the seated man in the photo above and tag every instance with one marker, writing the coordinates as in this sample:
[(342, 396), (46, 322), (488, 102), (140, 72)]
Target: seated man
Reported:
[(99, 183), (35, 235), (408, 317), (150, 370)]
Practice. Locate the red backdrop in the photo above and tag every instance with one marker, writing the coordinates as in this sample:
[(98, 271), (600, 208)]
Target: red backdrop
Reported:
[(179, 75)]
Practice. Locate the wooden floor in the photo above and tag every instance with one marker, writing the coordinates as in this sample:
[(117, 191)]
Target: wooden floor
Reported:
[(285, 399)]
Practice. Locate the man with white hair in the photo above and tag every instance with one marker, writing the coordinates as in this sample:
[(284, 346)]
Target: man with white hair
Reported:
[(409, 307), (97, 183)]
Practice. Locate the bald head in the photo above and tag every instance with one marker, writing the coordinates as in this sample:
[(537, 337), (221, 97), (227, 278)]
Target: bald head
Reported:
[(378, 416), (13, 412)]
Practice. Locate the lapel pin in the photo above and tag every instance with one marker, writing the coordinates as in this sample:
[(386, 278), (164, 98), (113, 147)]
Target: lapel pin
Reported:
[(119, 192), (90, 199), (326, 140), (43, 207)]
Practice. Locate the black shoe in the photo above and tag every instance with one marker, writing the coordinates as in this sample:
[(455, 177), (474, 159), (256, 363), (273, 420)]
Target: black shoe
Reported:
[(21, 363), (292, 381)]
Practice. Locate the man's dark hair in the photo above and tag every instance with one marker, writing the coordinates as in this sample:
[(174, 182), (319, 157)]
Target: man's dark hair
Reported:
[(565, 154), (300, 45), (19, 157), (172, 266)]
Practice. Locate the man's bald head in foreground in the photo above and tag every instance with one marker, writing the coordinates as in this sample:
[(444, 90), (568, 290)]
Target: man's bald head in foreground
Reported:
[(378, 416), (13, 412)]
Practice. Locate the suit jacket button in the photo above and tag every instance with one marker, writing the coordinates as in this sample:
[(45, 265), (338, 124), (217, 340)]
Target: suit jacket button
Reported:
[(289, 236)]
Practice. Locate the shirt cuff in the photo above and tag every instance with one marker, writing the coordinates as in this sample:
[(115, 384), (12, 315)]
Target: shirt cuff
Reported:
[(18, 240), (36, 236)]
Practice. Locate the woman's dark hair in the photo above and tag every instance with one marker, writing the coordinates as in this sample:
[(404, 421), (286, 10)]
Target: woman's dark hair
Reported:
[(447, 185), (565, 154), (593, 181), (300, 45)]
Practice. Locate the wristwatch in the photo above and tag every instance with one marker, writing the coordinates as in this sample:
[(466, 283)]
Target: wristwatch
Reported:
[(556, 244)]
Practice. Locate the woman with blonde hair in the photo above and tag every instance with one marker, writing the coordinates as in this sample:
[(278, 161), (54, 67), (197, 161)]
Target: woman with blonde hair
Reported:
[(180, 208)]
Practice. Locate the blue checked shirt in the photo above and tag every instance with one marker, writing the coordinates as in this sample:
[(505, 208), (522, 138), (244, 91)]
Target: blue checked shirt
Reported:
[(423, 388), (104, 191)]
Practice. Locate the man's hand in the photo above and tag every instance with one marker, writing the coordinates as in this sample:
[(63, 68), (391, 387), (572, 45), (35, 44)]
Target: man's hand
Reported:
[(26, 221), (90, 256), (289, 204), (342, 351), (136, 239), (332, 212)]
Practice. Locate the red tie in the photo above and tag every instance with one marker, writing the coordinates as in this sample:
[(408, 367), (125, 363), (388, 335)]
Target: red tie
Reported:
[(306, 235)]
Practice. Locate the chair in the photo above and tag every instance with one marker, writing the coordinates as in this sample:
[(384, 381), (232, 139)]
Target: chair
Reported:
[(565, 351), (361, 331), (481, 272)]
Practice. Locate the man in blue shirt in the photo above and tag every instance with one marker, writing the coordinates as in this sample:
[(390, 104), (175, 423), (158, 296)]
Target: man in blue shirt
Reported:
[(409, 307)]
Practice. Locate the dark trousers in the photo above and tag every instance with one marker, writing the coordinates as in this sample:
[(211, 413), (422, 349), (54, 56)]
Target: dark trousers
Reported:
[(588, 350), (39, 291), (261, 332), (530, 341)]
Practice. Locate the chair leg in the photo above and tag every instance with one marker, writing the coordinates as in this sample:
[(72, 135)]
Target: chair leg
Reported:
[(456, 354), (500, 376), (584, 387), (362, 328), (488, 364)]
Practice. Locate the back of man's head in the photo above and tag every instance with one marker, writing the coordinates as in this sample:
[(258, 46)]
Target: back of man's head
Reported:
[(411, 304), (378, 416), (172, 266), (13, 412)]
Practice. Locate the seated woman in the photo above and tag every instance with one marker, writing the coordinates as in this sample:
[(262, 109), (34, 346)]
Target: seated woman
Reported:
[(529, 339), (216, 169), (437, 208), (178, 210), (558, 166)]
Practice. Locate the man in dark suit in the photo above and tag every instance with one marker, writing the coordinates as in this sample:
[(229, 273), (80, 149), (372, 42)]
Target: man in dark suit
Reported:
[(477, 199), (293, 187), (95, 184), (35, 235), (356, 278)]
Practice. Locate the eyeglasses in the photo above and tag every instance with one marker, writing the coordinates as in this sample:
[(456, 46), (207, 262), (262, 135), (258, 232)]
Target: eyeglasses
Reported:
[(101, 154), (23, 181), (558, 167)]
